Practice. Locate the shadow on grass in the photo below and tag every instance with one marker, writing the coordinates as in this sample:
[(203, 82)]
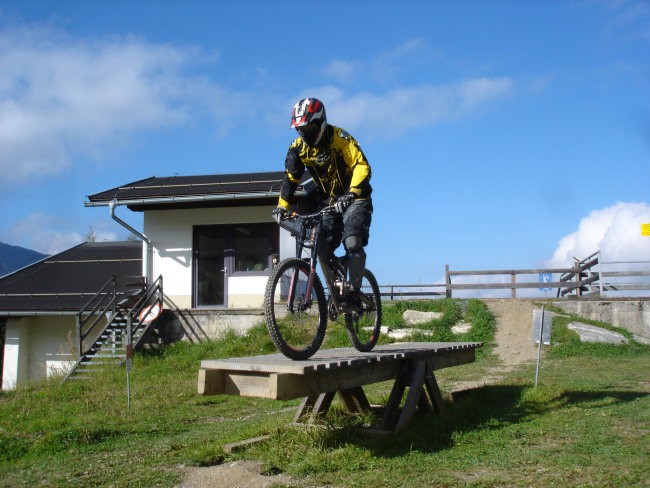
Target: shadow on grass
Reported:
[(487, 408)]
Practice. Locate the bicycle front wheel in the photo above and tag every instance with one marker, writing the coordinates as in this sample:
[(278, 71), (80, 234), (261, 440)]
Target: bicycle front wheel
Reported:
[(296, 320), (364, 325)]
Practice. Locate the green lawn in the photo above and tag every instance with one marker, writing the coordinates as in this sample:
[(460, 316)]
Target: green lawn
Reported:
[(587, 424)]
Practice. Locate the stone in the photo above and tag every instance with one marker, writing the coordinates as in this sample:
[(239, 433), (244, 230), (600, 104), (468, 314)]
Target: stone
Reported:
[(461, 328), (413, 317), (407, 333), (641, 339), (591, 333)]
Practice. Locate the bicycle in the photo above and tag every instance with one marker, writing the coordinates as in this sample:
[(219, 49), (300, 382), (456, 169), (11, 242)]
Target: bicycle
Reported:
[(296, 306)]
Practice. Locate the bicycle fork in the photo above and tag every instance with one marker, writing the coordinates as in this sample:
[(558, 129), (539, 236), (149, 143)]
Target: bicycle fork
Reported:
[(313, 244)]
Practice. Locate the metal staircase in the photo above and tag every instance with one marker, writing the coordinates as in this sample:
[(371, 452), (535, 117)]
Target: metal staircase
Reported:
[(118, 319)]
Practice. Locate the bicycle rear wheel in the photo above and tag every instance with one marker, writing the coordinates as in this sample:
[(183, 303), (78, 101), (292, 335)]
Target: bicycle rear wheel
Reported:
[(363, 326), (296, 322)]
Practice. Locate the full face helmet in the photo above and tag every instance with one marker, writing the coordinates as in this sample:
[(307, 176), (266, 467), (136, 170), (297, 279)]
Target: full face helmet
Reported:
[(308, 118)]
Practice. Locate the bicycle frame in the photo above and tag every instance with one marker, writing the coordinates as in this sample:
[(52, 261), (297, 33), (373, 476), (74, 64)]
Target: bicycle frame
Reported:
[(312, 242)]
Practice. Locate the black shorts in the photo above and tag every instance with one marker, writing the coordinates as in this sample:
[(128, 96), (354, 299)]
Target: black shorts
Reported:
[(354, 222)]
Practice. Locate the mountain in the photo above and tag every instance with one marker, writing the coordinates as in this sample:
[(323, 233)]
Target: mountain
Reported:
[(16, 257)]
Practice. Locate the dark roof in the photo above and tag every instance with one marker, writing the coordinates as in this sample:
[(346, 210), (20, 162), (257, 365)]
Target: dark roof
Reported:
[(194, 191), (66, 281)]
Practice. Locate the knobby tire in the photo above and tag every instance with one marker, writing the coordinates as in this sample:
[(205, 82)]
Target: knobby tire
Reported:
[(298, 329), (364, 327)]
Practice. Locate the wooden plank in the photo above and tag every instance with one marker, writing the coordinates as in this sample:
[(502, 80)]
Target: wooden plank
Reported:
[(238, 446), (500, 286), (509, 271), (333, 358), (449, 359)]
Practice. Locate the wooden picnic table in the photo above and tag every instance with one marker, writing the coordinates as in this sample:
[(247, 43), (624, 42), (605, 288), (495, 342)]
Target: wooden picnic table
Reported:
[(342, 371)]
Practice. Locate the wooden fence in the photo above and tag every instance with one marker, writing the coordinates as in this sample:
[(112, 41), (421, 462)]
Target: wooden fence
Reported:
[(586, 277)]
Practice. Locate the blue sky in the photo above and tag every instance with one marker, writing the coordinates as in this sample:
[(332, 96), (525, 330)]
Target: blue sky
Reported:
[(501, 135)]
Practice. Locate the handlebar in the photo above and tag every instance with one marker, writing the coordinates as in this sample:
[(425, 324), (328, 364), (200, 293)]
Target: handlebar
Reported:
[(330, 209)]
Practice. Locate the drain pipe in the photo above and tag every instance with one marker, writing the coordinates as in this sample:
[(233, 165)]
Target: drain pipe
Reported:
[(146, 258)]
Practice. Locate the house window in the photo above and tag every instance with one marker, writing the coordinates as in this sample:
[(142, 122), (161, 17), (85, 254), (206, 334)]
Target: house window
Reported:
[(253, 247), (223, 250)]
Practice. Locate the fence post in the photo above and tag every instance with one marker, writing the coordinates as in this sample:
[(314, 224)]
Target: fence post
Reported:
[(513, 280), (447, 282)]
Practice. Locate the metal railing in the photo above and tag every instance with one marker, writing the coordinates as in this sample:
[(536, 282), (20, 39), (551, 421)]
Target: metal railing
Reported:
[(624, 277), (101, 309), (145, 311)]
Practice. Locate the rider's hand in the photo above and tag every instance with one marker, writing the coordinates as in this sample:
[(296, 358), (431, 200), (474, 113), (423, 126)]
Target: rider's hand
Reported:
[(344, 201), (279, 214)]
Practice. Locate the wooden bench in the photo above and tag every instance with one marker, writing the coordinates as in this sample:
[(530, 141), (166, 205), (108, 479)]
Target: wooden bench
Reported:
[(345, 372)]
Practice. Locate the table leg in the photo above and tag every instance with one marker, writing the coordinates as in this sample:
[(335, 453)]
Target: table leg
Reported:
[(413, 397), (314, 406), (354, 400)]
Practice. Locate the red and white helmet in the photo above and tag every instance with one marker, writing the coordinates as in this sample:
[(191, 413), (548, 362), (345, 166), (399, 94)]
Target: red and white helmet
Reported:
[(309, 119)]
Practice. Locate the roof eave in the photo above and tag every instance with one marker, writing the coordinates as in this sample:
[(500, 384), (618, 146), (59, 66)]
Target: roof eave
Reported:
[(34, 313), (188, 199)]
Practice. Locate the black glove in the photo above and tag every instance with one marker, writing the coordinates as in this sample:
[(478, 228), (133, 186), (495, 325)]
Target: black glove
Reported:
[(279, 214), (344, 201)]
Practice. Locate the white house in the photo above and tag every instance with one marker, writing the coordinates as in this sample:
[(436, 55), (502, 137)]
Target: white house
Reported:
[(39, 304), (210, 237)]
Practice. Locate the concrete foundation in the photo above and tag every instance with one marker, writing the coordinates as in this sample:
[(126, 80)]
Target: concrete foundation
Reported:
[(200, 324), (632, 315)]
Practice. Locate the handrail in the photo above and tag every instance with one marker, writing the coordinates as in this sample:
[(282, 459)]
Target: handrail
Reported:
[(104, 299), (134, 321), (102, 307)]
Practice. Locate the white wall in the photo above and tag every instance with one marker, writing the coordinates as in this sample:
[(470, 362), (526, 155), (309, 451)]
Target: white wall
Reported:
[(36, 348), (170, 232)]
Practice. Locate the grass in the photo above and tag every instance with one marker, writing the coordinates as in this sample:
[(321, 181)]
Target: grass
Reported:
[(587, 424)]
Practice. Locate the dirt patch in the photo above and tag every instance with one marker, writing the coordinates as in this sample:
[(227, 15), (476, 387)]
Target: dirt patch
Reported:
[(237, 474), (513, 341)]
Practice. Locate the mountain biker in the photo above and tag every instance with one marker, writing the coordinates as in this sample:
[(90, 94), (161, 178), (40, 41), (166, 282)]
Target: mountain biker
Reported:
[(341, 172)]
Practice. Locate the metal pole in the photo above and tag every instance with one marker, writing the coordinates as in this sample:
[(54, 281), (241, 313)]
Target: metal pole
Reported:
[(539, 346), (129, 359), (600, 272)]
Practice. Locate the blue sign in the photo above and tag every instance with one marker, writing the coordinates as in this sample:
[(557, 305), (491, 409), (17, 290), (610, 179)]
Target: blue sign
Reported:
[(545, 278)]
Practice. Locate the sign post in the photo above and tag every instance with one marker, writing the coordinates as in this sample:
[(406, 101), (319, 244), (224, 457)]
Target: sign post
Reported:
[(129, 361), (541, 334)]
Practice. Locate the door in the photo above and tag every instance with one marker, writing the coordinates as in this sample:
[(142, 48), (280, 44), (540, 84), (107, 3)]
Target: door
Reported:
[(210, 270)]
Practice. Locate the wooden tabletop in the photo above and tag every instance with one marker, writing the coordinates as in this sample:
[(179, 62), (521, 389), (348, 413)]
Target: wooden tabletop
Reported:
[(329, 359)]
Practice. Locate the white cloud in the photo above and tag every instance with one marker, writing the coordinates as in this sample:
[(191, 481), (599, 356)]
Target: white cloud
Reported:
[(62, 97), (50, 235), (615, 231), (397, 111)]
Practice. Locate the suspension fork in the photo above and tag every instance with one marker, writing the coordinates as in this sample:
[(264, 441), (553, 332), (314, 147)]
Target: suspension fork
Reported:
[(315, 238)]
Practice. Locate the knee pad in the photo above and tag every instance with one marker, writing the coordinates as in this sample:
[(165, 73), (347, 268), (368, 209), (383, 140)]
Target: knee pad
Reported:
[(356, 262), (353, 244)]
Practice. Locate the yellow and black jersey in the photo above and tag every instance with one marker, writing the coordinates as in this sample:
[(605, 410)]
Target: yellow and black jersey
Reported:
[(337, 166)]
